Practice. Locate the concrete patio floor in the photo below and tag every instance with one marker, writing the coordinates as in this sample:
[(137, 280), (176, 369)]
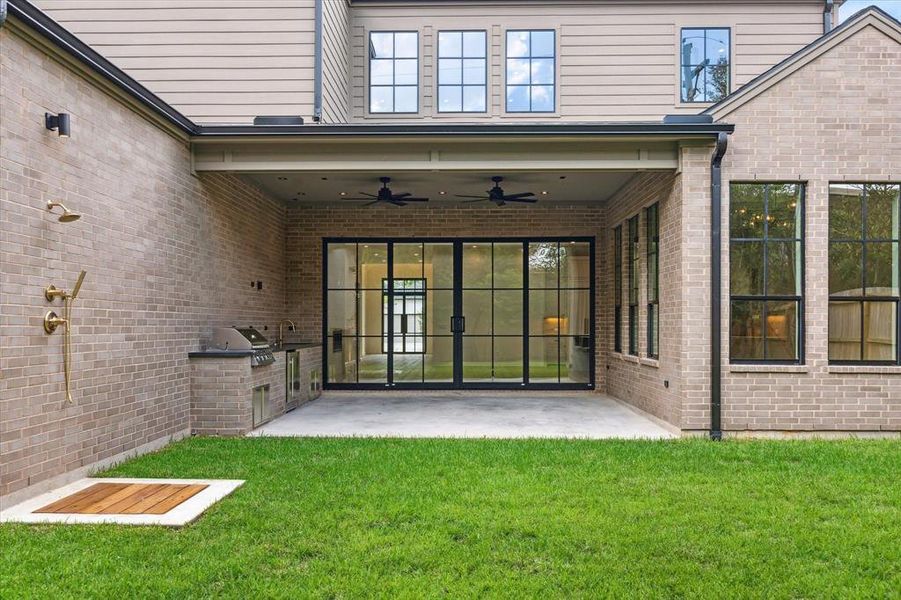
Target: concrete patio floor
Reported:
[(465, 414)]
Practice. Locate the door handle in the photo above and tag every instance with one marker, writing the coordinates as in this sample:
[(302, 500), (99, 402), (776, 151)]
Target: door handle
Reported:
[(462, 324), (458, 324)]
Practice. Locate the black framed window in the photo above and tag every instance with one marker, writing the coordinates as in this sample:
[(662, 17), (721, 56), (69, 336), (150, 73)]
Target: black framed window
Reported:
[(633, 285), (393, 72), (618, 288), (705, 64), (462, 71), (530, 84), (652, 223), (864, 273), (766, 272)]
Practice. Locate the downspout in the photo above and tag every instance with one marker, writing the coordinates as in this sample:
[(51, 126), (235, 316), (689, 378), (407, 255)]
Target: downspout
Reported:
[(827, 16), (716, 281), (317, 64)]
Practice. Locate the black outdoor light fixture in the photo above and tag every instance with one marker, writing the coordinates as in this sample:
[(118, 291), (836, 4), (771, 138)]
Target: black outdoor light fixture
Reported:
[(58, 123)]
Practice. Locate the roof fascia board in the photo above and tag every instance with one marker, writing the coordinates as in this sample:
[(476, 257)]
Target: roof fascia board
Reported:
[(869, 17)]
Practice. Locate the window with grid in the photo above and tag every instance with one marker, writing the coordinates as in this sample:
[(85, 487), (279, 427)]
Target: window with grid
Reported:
[(652, 223), (766, 272), (618, 289), (704, 64), (530, 85), (633, 285), (864, 273), (393, 72), (462, 71)]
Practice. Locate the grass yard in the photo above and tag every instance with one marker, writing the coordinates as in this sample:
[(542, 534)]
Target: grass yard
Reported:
[(343, 518)]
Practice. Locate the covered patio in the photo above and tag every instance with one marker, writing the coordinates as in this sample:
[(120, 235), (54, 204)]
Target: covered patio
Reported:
[(456, 414)]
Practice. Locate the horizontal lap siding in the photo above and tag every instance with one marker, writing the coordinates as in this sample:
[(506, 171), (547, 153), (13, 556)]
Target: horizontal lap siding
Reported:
[(216, 61), (617, 60)]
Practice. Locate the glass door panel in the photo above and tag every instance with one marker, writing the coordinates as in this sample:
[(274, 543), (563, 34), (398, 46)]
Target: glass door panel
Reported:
[(492, 302), (372, 357)]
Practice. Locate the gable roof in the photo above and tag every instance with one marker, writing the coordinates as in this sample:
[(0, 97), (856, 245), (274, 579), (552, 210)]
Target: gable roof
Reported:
[(871, 16)]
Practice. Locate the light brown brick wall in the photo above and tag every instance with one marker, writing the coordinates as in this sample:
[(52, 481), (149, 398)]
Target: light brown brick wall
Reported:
[(838, 118), (640, 380), (168, 257), (221, 396), (307, 225)]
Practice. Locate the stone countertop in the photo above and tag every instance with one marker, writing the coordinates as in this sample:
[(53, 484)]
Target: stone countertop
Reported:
[(216, 353), (296, 346)]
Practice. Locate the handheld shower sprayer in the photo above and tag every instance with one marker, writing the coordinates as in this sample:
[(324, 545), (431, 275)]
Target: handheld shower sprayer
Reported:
[(52, 321)]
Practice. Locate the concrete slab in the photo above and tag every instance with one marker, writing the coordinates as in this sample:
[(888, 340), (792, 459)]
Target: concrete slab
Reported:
[(466, 415)]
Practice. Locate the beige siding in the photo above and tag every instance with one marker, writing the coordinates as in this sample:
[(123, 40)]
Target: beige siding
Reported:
[(616, 60), (214, 60), (335, 61)]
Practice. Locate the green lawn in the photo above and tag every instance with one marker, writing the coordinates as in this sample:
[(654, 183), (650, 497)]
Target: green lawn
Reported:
[(346, 518)]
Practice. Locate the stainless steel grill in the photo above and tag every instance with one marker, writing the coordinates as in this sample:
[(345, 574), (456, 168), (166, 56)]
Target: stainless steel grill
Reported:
[(244, 339)]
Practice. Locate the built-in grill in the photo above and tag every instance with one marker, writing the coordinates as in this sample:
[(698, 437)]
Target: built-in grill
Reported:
[(244, 338)]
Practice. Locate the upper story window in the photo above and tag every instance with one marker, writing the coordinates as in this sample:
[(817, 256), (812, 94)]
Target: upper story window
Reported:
[(705, 64), (462, 71), (531, 71), (864, 272), (766, 279), (393, 72)]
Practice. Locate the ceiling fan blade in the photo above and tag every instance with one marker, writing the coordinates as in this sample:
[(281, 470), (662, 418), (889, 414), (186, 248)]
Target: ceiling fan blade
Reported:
[(479, 197), (356, 199), (396, 202), (520, 195), (371, 203), (527, 200), (411, 199), (368, 194), (476, 200), (400, 195)]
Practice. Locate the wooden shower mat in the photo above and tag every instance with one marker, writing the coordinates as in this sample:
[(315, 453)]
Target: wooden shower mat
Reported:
[(124, 499)]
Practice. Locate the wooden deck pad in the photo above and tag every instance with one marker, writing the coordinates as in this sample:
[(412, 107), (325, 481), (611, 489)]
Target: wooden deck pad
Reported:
[(124, 499)]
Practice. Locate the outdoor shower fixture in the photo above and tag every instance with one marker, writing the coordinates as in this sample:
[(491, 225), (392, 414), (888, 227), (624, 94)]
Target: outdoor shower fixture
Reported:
[(58, 123), (68, 216), (53, 320)]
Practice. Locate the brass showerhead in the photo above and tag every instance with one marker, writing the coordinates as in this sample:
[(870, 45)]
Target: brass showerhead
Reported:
[(68, 216)]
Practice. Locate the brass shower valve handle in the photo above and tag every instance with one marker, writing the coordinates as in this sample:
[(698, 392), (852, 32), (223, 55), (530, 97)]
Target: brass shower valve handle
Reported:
[(51, 293), (52, 321)]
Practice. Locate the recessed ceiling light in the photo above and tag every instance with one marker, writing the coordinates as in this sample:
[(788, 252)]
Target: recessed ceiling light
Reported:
[(343, 193), (442, 193), (544, 192)]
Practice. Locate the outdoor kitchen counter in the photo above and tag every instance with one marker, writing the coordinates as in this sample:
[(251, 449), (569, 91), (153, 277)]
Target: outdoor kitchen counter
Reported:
[(224, 384)]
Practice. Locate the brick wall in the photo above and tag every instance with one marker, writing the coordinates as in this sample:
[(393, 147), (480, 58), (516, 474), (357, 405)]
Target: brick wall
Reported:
[(641, 380), (837, 119), (308, 224), (168, 257), (220, 396)]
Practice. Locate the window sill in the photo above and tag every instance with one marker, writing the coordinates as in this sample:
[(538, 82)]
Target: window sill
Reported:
[(626, 357), (865, 369), (758, 368), (650, 362)]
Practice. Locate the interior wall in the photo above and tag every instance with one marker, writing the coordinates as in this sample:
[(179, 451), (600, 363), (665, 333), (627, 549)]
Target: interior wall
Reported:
[(168, 256)]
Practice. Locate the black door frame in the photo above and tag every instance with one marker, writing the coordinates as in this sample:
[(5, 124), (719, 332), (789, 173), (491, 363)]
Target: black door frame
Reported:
[(458, 383)]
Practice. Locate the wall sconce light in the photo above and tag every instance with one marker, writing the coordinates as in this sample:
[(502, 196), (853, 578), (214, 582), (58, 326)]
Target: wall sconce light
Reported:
[(58, 123)]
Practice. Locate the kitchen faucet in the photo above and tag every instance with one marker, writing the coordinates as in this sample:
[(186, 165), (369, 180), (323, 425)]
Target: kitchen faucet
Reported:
[(281, 335)]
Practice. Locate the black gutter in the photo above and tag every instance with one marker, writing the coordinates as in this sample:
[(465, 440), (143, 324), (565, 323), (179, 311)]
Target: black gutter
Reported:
[(468, 130), (716, 285), (49, 29), (317, 64)]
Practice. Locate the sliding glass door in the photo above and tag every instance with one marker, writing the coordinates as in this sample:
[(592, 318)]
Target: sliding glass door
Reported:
[(475, 313)]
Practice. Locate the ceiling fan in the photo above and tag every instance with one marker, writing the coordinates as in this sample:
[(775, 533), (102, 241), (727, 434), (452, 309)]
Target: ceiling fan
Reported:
[(386, 196), (497, 195)]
